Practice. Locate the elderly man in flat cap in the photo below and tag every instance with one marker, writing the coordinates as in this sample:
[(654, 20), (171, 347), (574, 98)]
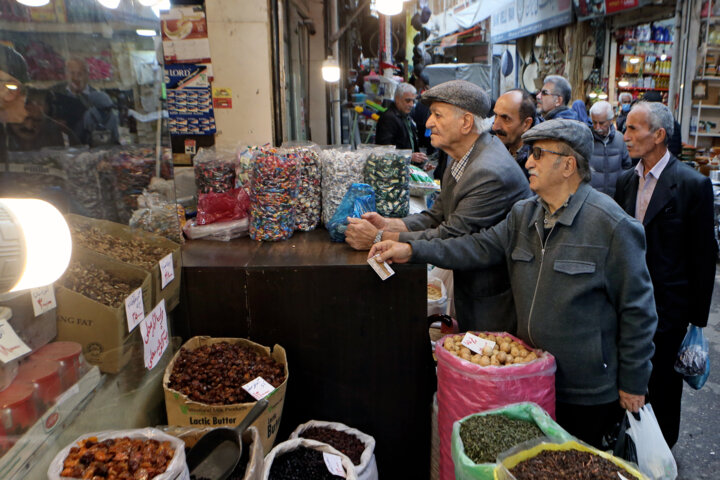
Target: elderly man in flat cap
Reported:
[(479, 188), (578, 274), (13, 74)]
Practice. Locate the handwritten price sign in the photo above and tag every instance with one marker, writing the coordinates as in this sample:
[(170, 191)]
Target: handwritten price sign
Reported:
[(134, 309), (155, 335), (43, 299), (258, 388), (11, 347), (167, 274), (475, 343), (334, 464)]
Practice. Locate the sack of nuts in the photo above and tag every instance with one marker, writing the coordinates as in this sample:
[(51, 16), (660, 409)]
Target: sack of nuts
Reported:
[(204, 384)]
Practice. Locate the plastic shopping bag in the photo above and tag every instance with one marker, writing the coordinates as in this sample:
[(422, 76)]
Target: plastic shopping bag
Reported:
[(653, 454), (359, 199), (624, 445), (693, 360)]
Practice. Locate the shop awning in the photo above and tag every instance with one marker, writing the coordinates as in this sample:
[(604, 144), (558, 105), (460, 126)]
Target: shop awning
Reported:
[(513, 19)]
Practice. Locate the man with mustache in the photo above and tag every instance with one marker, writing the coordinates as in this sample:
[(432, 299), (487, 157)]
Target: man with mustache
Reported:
[(514, 115), (479, 187), (578, 276)]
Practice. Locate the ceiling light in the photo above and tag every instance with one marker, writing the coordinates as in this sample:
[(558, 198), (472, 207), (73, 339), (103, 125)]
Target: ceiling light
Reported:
[(592, 95), (634, 60), (34, 3), (603, 96), (330, 70), (389, 7), (145, 32), (623, 83), (148, 3)]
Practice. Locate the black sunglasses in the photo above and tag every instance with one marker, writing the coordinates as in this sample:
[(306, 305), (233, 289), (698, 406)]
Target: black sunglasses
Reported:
[(537, 152)]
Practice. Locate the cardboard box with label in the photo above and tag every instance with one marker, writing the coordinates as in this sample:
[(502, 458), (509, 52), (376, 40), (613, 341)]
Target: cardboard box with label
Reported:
[(100, 329), (171, 293), (183, 411)]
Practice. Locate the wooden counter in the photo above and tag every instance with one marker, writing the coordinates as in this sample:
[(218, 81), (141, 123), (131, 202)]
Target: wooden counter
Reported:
[(358, 348)]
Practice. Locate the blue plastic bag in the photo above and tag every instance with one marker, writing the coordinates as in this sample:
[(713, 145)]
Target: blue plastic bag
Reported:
[(693, 360), (359, 199)]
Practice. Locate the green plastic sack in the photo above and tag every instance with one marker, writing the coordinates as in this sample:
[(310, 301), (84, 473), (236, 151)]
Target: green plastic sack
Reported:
[(466, 469)]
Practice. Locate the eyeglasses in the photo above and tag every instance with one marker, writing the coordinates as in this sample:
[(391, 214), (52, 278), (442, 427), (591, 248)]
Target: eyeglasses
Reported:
[(537, 152), (544, 93), (10, 89)]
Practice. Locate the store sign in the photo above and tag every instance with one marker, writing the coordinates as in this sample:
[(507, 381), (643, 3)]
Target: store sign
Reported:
[(43, 299), (614, 6), (155, 335), (587, 9), (520, 18), (189, 100)]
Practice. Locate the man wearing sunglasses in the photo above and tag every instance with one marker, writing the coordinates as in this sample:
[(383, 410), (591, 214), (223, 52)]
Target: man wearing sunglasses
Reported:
[(577, 271), (13, 73), (554, 97)]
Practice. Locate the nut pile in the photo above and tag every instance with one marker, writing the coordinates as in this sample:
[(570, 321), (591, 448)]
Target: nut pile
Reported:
[(134, 252), (97, 284), (505, 352), (214, 374), (346, 443), (117, 458)]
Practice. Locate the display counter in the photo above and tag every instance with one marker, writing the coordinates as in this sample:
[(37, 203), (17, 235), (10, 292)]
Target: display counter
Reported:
[(357, 347)]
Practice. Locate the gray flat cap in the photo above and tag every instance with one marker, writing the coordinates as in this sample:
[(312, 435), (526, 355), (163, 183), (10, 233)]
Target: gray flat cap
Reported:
[(460, 93), (576, 135)]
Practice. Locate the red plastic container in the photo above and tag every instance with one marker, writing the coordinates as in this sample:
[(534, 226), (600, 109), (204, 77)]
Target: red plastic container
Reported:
[(18, 411), (44, 375), (69, 354)]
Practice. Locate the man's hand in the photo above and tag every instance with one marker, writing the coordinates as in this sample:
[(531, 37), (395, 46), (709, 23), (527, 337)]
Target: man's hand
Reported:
[(391, 251), (360, 234), (377, 220), (631, 402), (418, 158)]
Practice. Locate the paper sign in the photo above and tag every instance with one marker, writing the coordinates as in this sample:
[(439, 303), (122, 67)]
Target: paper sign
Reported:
[(167, 274), (258, 388), (334, 464), (154, 330), (11, 347), (134, 309), (43, 299), (381, 268), (475, 343)]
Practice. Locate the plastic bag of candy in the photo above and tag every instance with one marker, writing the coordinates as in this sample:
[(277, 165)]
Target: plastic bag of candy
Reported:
[(359, 199), (222, 207)]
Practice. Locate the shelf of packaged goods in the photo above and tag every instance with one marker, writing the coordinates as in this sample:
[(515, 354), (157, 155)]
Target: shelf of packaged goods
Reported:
[(632, 40), (644, 89), (643, 55), (710, 107), (712, 79), (716, 135), (645, 74)]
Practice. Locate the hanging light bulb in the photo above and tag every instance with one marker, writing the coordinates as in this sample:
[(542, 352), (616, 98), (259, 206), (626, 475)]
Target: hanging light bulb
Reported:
[(663, 57), (162, 5), (592, 95), (145, 32), (148, 3), (623, 83), (34, 3), (330, 70), (389, 7), (602, 96), (112, 4), (634, 60)]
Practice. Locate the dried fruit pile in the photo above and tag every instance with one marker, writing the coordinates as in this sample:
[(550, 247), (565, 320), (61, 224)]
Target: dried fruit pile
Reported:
[(134, 252), (98, 284)]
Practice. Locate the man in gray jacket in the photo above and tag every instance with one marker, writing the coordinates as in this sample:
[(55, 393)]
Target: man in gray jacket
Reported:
[(479, 188), (581, 286), (610, 157)]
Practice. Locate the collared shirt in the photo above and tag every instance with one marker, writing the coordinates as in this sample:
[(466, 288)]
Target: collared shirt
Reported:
[(647, 183), (551, 218), (458, 167)]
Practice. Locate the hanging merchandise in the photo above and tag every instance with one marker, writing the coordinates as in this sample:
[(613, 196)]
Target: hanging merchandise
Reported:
[(386, 170), (189, 100), (274, 190)]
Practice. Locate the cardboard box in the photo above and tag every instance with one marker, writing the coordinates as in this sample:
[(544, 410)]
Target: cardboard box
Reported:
[(171, 293), (101, 330), (34, 331), (185, 412)]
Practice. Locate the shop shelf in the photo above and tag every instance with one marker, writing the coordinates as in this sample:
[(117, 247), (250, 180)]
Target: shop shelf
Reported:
[(645, 74), (643, 88), (712, 79), (642, 55), (711, 107), (717, 135), (80, 27)]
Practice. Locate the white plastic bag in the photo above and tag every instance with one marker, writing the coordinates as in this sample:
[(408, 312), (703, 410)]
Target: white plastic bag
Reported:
[(446, 306), (367, 470), (176, 470), (290, 445), (437, 306), (653, 454)]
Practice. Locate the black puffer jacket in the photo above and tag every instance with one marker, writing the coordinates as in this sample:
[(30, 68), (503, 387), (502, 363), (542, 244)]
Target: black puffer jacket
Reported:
[(609, 159)]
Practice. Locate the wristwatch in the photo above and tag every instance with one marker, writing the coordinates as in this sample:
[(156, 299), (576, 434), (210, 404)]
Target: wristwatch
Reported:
[(378, 237)]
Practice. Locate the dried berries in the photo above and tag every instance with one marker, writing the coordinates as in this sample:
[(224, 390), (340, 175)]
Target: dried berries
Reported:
[(300, 464), (134, 252), (214, 374), (484, 437), (98, 284), (346, 443), (568, 465), (118, 458)]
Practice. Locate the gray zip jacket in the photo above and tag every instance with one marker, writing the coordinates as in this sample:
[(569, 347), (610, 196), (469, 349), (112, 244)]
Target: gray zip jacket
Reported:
[(583, 292)]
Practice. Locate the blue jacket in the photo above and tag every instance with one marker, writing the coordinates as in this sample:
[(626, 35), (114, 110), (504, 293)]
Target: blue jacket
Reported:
[(583, 293), (561, 112), (608, 161)]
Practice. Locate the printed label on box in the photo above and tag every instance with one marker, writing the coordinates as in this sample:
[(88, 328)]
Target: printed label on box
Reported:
[(154, 330), (134, 309), (11, 347), (258, 388), (167, 274), (43, 299), (334, 464)]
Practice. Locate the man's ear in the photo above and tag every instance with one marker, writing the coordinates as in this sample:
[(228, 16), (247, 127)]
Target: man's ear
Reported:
[(569, 166), (468, 123), (527, 124), (659, 136)]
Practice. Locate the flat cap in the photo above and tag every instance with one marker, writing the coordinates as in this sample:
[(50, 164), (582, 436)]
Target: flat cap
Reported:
[(13, 63), (460, 93), (576, 135)]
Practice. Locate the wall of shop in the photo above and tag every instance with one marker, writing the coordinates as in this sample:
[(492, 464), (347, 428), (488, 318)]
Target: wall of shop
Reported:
[(317, 101)]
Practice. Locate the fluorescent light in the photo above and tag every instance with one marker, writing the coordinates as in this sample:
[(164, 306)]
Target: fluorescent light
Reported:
[(330, 70), (34, 3), (389, 7), (44, 237), (145, 33), (112, 4)]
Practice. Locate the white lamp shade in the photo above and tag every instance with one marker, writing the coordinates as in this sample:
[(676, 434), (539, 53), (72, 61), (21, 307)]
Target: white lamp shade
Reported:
[(112, 4), (34, 3), (34, 238), (330, 70), (389, 7)]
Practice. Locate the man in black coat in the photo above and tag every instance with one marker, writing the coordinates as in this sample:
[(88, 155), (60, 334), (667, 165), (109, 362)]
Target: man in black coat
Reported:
[(675, 205), (396, 126)]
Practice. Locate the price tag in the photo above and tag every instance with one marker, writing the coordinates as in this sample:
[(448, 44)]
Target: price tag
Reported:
[(154, 330), (43, 299), (258, 388), (134, 309), (475, 343), (167, 274), (334, 464), (11, 347)]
